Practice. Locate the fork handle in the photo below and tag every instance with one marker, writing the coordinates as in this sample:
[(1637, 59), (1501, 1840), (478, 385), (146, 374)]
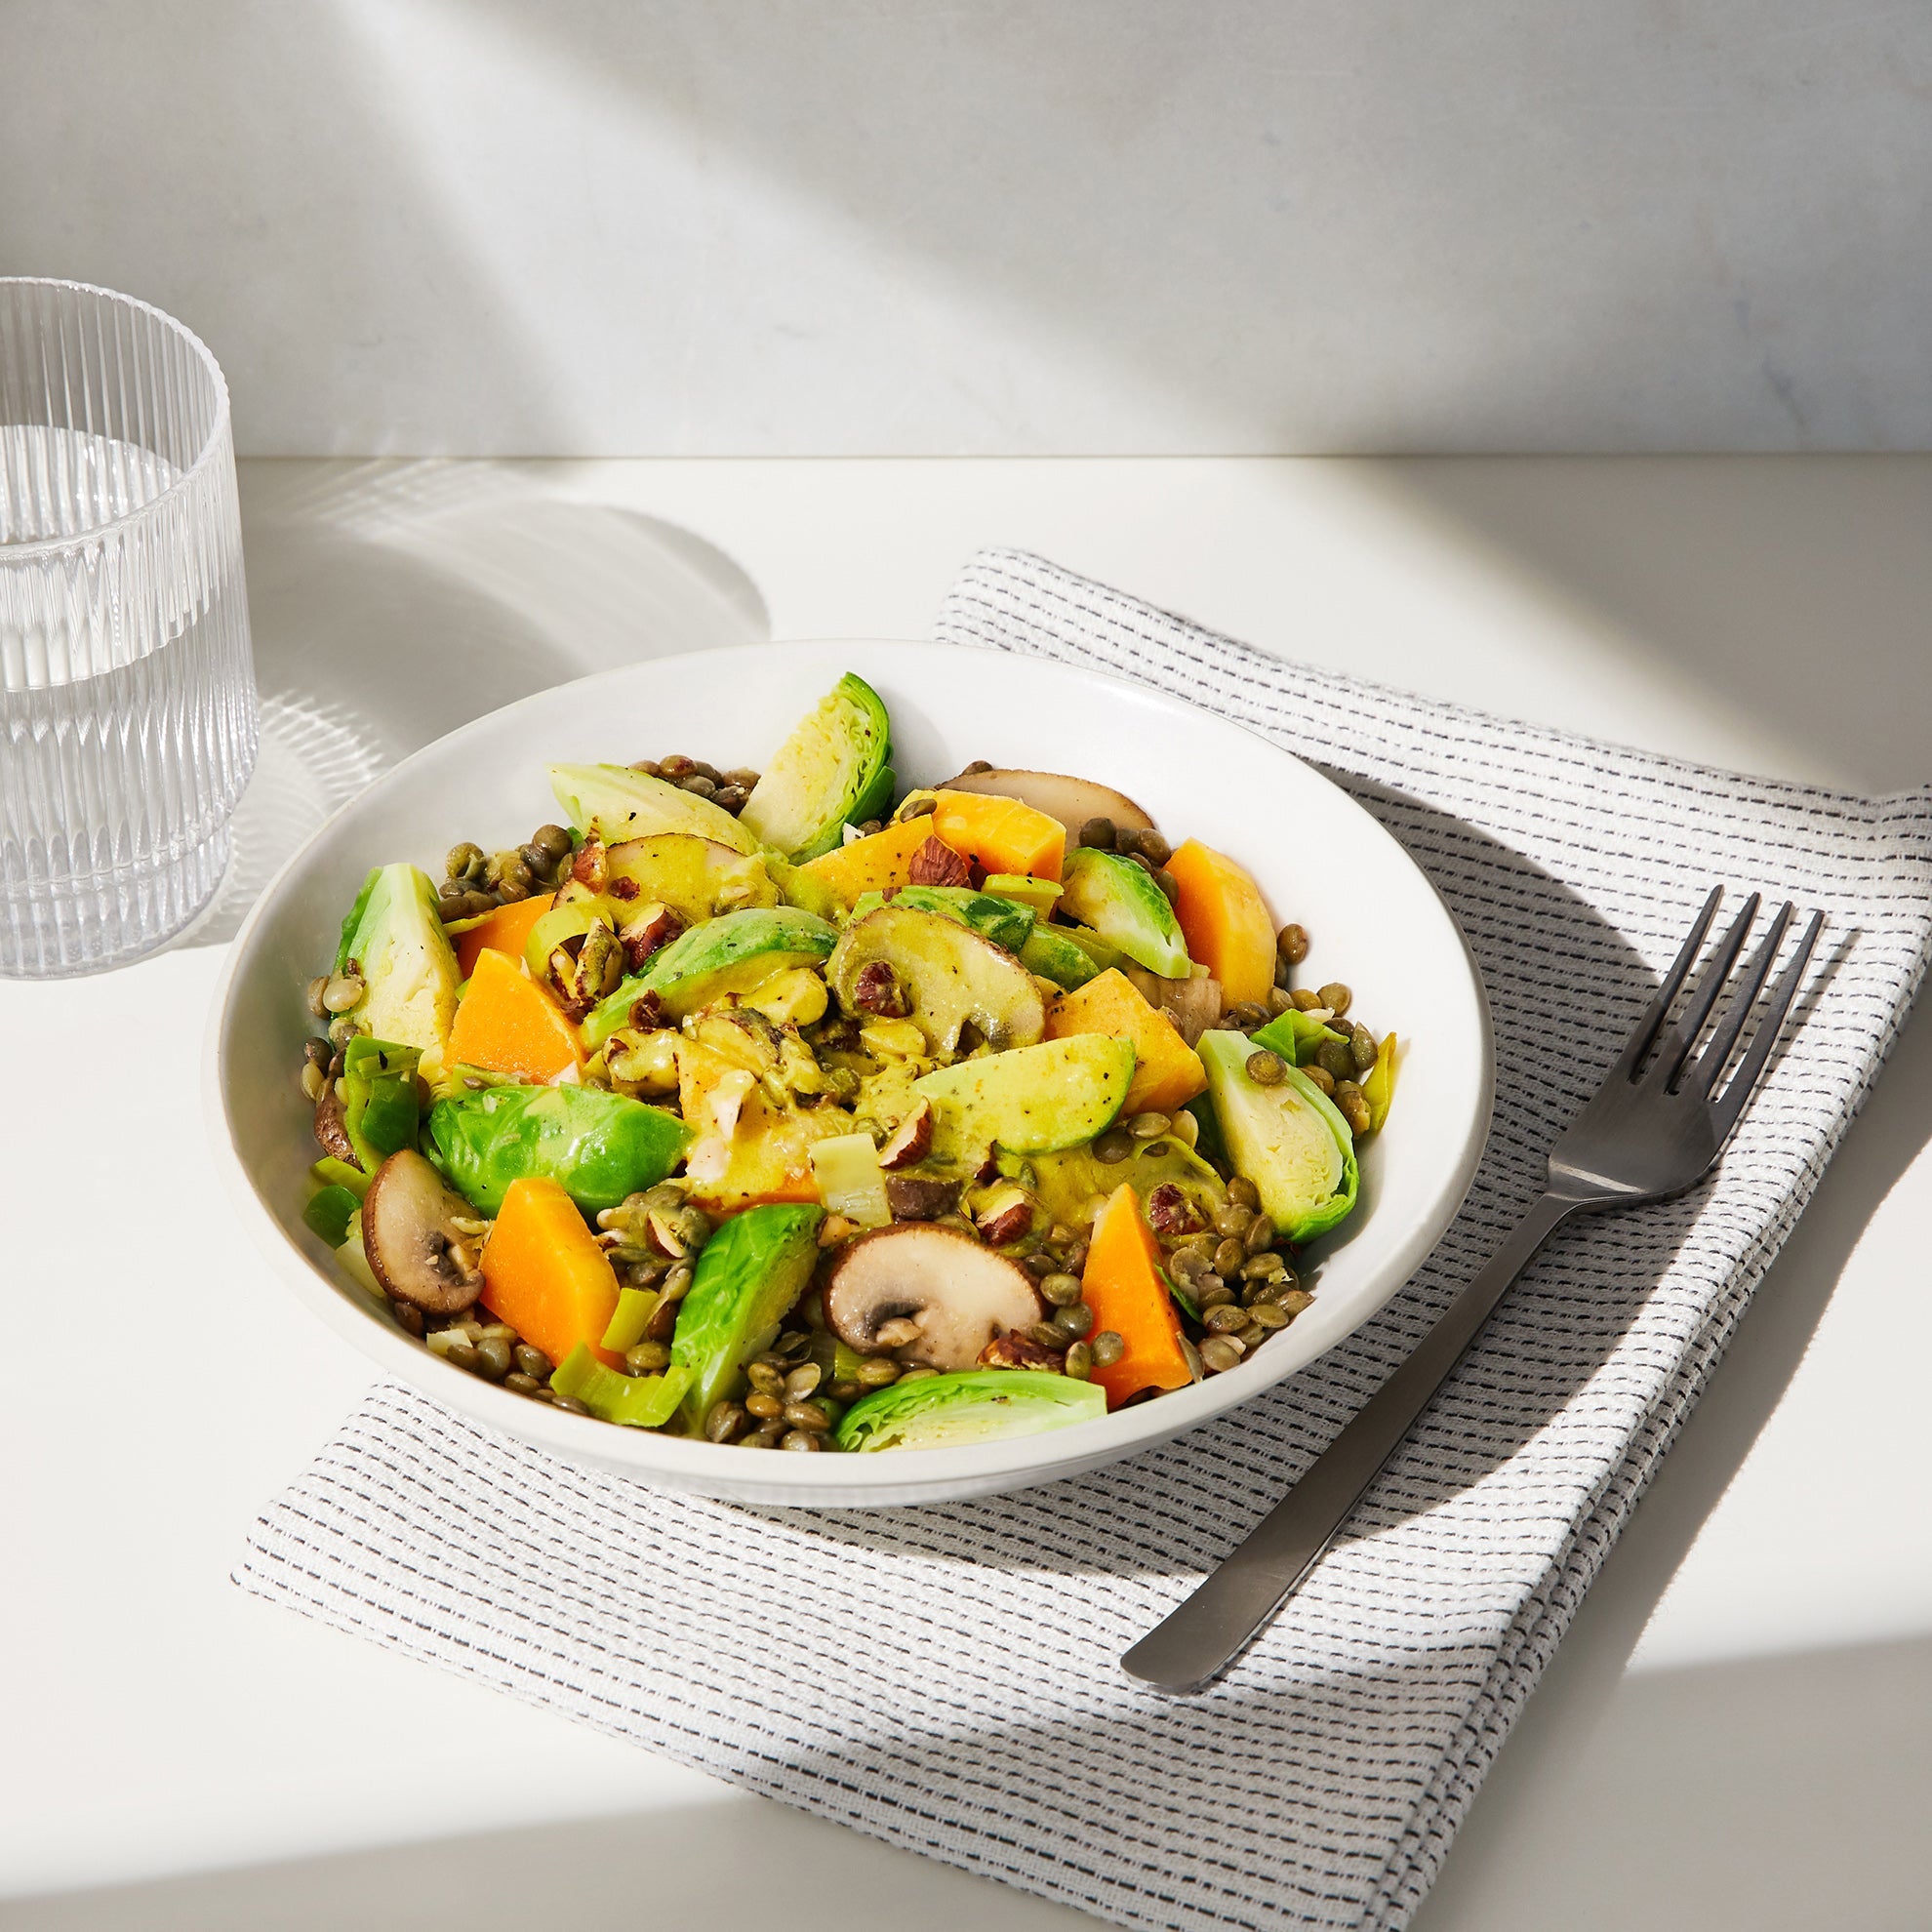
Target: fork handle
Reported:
[(1205, 1633)]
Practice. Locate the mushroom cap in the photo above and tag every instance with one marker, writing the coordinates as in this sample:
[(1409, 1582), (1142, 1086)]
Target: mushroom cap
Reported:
[(1070, 800), (961, 1296), (408, 1233)]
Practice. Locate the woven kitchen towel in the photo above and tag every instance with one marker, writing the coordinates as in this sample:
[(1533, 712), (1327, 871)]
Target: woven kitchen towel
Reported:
[(946, 1680)]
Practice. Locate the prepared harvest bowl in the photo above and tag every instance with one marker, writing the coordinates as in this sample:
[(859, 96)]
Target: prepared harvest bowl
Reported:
[(1321, 859)]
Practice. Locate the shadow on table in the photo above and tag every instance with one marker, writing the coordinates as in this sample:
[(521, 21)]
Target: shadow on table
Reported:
[(1765, 1793), (392, 602), (1749, 575)]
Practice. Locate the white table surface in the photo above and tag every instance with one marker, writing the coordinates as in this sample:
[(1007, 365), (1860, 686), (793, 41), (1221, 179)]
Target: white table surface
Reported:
[(1735, 1732)]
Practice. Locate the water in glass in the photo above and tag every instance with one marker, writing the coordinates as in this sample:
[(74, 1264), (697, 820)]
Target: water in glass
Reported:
[(127, 696)]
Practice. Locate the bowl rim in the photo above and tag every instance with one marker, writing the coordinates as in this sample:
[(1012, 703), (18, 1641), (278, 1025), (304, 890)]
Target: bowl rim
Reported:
[(690, 1464)]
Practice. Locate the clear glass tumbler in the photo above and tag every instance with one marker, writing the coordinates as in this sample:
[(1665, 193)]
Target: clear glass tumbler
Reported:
[(127, 689)]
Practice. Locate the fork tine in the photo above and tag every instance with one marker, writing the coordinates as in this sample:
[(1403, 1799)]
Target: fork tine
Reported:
[(1704, 1073), (1682, 1036), (1730, 1102), (1645, 1030)]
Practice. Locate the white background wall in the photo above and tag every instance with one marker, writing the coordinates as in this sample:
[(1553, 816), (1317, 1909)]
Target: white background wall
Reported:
[(728, 227)]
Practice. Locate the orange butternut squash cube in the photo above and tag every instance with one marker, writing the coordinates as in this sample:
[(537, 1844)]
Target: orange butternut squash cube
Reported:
[(1224, 921), (506, 1024), (872, 863), (1000, 834), (545, 1273), (1167, 1071), (503, 931), (1125, 1288)]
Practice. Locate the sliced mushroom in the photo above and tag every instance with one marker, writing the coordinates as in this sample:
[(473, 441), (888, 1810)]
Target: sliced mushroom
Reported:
[(933, 1297), (940, 975), (1070, 800), (330, 1134), (1193, 1005), (912, 1139), (409, 1231)]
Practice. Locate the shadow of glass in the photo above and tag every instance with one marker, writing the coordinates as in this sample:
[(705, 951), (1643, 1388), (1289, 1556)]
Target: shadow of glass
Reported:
[(397, 601)]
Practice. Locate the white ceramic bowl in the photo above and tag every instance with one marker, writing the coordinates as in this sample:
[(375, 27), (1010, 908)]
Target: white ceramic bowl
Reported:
[(1375, 921)]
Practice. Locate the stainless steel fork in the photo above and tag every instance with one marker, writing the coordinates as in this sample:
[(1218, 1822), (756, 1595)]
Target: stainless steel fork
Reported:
[(1654, 1129)]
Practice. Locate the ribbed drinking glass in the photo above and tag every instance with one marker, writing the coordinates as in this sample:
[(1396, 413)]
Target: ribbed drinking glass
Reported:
[(127, 690)]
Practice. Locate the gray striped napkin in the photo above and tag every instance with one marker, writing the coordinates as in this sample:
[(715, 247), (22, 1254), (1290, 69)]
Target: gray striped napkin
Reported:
[(945, 1679)]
